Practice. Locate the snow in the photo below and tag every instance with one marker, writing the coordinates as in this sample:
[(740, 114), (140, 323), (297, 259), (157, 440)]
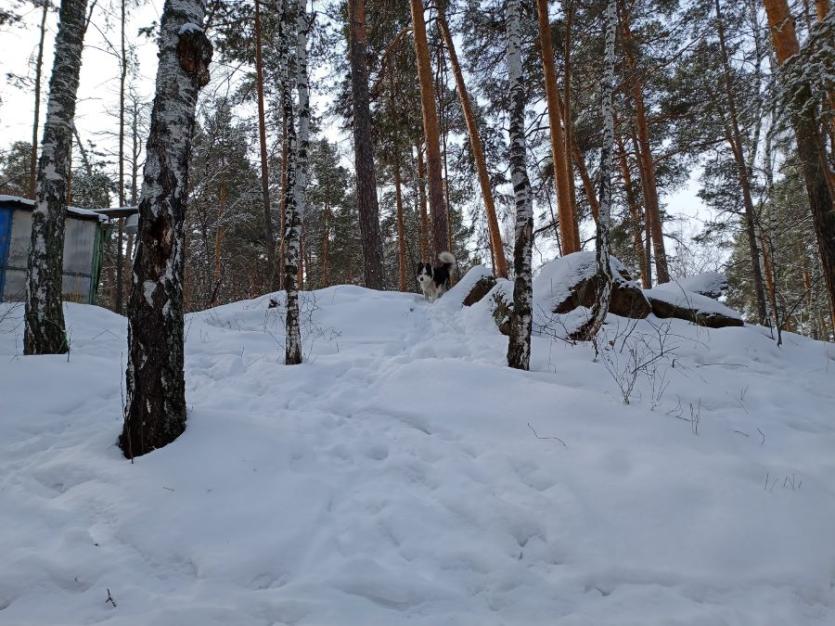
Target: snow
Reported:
[(711, 284), (189, 27), (676, 294), (404, 475)]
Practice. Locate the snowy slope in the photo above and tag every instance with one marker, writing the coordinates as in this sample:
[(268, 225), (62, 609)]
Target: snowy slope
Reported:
[(404, 475)]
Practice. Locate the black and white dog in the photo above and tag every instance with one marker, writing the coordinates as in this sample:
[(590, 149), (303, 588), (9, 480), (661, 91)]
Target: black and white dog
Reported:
[(434, 280)]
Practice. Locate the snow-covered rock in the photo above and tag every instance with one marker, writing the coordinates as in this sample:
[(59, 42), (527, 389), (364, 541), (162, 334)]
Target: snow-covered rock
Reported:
[(672, 300), (710, 284), (460, 293), (572, 281)]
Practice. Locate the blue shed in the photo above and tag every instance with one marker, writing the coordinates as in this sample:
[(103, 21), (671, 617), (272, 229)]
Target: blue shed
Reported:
[(83, 234)]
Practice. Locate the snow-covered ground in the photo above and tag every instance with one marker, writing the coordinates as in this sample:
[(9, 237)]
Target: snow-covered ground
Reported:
[(404, 475)]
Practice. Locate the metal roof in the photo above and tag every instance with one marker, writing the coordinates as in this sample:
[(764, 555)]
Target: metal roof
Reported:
[(27, 204)]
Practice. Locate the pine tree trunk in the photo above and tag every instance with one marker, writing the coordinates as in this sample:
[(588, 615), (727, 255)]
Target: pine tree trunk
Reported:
[(44, 330), (822, 10), (770, 277), (737, 147), (496, 245), (647, 225), (635, 214), (809, 146), (645, 160), (562, 171), (440, 90), (33, 158), (431, 132), (269, 234), (588, 186), (568, 118), (424, 212), (604, 293), (155, 406), (369, 211), (521, 318)]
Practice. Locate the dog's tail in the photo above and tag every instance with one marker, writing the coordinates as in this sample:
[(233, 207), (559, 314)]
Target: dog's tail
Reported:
[(446, 258)]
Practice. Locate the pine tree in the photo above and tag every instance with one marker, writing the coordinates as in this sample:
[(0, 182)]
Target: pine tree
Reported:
[(646, 161), (269, 234), (431, 132), (810, 148), (496, 245), (562, 168), (155, 404), (372, 246)]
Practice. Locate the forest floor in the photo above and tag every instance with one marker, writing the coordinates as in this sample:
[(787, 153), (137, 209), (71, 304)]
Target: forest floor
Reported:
[(404, 475)]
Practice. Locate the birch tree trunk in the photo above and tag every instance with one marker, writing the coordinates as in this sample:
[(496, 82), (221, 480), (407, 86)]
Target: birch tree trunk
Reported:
[(604, 293), (44, 331), (269, 234), (562, 170), (431, 132), (282, 205), (155, 403), (369, 211), (521, 318), (496, 245), (810, 148), (304, 23), (289, 74), (33, 158)]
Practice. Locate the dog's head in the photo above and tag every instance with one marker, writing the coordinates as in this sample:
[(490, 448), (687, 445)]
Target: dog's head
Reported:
[(424, 273)]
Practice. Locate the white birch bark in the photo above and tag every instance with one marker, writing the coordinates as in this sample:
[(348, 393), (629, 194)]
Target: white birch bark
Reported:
[(303, 25), (519, 342), (155, 408), (44, 331), (288, 27)]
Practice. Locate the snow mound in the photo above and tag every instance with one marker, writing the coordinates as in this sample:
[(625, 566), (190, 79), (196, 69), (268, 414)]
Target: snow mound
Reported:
[(403, 475)]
